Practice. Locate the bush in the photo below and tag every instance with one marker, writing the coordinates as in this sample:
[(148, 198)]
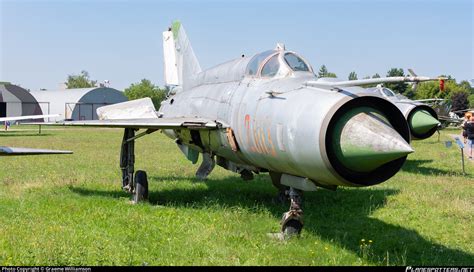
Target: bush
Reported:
[(146, 89), (459, 102)]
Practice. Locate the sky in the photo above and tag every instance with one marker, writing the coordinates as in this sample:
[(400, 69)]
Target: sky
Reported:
[(44, 41)]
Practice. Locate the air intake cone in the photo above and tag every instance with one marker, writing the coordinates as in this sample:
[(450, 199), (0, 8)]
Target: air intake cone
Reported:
[(365, 140), (422, 122)]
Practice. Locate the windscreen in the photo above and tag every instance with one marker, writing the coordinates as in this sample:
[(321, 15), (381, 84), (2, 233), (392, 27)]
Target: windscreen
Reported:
[(271, 67), (296, 63)]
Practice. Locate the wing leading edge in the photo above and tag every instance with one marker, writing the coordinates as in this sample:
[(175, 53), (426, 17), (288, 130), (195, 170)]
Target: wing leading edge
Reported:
[(147, 123), (350, 83), (139, 114)]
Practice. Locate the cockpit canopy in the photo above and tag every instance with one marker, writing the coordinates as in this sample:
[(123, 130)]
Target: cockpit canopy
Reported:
[(386, 92), (276, 62)]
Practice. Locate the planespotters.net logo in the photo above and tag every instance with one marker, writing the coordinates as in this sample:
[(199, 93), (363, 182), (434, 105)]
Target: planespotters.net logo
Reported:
[(439, 269)]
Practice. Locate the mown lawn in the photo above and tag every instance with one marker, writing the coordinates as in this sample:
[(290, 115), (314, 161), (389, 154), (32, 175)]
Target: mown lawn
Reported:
[(70, 210)]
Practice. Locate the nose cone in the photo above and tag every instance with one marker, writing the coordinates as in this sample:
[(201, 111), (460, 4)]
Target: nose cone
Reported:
[(422, 122), (364, 140)]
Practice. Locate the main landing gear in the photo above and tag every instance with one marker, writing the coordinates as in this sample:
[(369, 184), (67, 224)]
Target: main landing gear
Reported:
[(136, 184), (206, 167)]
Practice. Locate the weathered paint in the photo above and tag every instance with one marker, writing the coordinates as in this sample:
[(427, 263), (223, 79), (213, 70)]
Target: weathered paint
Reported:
[(175, 29)]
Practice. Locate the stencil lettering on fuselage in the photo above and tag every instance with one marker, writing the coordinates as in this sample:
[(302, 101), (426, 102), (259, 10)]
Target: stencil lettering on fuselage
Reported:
[(261, 142)]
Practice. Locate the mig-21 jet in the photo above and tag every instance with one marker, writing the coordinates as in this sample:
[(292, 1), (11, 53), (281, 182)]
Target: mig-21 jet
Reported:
[(422, 119), (266, 113)]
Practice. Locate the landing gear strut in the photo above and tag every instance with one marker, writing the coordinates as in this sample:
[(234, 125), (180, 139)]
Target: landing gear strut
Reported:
[(138, 185), (283, 190), (292, 221), (206, 167)]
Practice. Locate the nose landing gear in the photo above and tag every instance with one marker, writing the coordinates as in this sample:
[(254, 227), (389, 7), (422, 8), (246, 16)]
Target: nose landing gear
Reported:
[(292, 220)]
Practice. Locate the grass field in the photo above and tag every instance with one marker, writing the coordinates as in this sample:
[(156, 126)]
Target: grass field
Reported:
[(70, 210)]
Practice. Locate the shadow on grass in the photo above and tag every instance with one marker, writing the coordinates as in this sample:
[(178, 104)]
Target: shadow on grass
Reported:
[(342, 217), (416, 167), (86, 192)]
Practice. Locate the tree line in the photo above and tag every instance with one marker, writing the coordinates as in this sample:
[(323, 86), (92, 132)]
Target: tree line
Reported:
[(461, 95)]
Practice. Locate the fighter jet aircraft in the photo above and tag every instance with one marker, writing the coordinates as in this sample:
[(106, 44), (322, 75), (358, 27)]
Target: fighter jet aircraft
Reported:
[(18, 151), (422, 119), (266, 113)]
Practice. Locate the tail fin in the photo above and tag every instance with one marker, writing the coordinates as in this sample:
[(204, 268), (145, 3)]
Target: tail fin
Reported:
[(181, 65)]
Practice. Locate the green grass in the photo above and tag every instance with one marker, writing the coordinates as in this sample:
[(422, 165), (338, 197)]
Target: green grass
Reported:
[(70, 210)]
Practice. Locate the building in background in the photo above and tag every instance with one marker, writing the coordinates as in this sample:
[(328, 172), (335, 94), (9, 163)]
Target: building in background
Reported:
[(17, 101), (70, 104), (77, 104)]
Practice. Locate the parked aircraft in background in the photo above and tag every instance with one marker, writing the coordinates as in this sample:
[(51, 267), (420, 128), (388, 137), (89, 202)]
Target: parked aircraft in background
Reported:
[(422, 119), (267, 113)]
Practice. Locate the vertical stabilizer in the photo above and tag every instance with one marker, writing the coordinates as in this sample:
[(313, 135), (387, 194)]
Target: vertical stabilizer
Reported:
[(181, 65)]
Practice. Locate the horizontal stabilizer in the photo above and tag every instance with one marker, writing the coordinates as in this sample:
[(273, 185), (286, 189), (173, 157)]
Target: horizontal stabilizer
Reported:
[(135, 109), (18, 151)]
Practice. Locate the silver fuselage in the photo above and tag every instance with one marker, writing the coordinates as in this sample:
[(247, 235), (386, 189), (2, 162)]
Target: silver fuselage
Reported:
[(279, 124)]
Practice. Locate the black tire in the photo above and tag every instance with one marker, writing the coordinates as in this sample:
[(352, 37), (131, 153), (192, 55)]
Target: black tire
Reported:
[(292, 227), (141, 187)]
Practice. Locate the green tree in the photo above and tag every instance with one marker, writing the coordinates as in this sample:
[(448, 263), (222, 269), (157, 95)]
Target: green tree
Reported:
[(427, 90), (457, 94), (80, 81), (376, 75), (146, 89), (352, 76), (452, 87), (470, 98), (323, 71), (399, 87), (465, 85)]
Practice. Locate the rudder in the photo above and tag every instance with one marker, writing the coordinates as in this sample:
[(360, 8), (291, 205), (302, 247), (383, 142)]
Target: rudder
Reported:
[(180, 62)]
